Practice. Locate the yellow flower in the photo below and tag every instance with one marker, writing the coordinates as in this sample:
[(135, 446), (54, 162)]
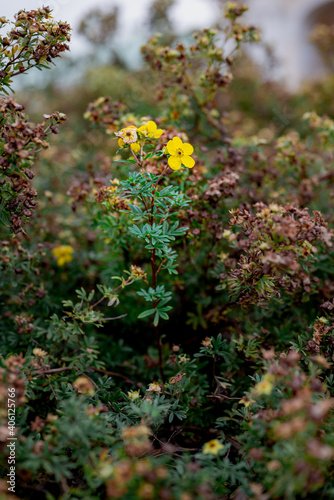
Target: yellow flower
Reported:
[(180, 154), (214, 446), (266, 385), (128, 135), (39, 352), (133, 395), (150, 130), (246, 401), (63, 254)]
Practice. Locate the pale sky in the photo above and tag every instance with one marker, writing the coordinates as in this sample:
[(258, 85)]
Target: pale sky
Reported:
[(187, 15)]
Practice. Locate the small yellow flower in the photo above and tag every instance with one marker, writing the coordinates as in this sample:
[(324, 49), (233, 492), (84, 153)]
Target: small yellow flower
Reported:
[(39, 352), (214, 446), (180, 154), (154, 387), (150, 130), (63, 254), (128, 135), (265, 386), (133, 395), (246, 401)]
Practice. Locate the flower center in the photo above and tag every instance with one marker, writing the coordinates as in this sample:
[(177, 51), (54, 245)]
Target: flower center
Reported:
[(179, 153)]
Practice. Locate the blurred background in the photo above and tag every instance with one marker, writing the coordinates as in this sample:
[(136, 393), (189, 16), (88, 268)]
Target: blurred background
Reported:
[(295, 32), (296, 36)]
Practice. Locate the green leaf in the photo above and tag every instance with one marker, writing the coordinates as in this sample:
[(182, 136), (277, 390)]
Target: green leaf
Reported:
[(156, 319), (148, 312), (126, 161), (163, 315)]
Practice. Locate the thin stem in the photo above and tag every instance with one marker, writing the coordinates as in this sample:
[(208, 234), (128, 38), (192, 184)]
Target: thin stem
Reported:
[(56, 370), (139, 162), (53, 392), (127, 282), (116, 317), (144, 202), (92, 381), (157, 334), (112, 374), (161, 264), (162, 173), (158, 341), (92, 368), (154, 277), (98, 302)]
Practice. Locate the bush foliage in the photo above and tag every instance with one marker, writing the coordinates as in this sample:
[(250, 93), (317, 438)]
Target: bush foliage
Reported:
[(167, 293)]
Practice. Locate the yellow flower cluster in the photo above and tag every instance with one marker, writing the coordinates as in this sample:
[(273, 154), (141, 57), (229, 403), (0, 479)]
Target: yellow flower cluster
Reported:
[(63, 254), (129, 136), (179, 152), (150, 130)]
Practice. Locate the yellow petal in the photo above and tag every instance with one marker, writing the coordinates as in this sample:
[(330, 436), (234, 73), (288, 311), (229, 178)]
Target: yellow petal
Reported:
[(187, 149), (174, 163), (151, 127), (142, 130), (188, 161), (158, 133), (135, 147), (171, 148), (177, 142), (121, 143)]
